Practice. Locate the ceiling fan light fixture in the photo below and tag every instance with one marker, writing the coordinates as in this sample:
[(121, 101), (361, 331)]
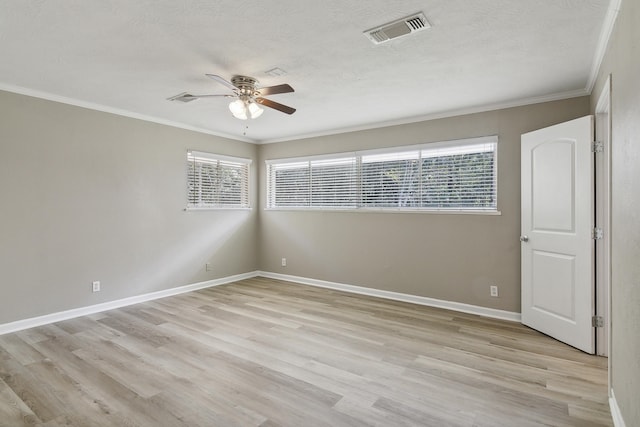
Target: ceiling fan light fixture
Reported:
[(238, 109), (245, 108), (254, 110)]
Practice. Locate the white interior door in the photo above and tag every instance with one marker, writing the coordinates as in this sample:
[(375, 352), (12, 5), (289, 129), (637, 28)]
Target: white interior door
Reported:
[(557, 222)]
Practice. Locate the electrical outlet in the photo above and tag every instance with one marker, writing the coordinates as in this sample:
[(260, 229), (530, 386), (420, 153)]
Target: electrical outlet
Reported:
[(95, 286), (284, 262), (208, 267), (493, 290)]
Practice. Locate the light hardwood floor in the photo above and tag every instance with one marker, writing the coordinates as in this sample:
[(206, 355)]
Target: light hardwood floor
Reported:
[(262, 352)]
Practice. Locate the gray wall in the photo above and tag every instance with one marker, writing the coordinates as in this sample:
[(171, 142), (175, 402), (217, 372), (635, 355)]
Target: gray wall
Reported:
[(622, 62), (452, 257), (94, 196), (87, 195)]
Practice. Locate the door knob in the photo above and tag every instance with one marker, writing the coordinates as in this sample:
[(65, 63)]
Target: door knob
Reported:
[(524, 238)]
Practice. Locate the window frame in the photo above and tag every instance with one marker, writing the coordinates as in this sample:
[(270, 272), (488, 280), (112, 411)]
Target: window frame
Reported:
[(491, 140), (243, 164)]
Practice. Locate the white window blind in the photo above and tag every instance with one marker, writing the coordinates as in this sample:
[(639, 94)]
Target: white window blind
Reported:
[(321, 183), (390, 180), (448, 176), (333, 183), (459, 177), (216, 181)]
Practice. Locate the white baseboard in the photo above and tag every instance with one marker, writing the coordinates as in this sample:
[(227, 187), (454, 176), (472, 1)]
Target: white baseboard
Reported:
[(431, 302), (618, 421), (83, 311)]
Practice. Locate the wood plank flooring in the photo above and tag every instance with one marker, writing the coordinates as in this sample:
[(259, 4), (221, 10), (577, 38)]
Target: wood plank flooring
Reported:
[(263, 352)]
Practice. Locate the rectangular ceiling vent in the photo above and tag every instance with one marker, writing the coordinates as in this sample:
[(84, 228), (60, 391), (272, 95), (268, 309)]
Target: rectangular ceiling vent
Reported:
[(399, 28)]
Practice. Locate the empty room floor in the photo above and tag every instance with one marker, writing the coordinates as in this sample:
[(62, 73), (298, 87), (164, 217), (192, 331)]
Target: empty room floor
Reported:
[(263, 352)]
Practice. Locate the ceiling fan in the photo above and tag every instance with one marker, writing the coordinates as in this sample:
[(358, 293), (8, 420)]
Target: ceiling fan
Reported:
[(247, 94)]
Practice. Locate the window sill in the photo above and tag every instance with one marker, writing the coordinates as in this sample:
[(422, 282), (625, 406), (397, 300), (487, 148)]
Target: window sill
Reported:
[(392, 211), (222, 208)]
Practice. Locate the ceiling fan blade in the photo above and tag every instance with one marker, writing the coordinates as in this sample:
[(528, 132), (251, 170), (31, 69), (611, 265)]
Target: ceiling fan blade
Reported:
[(209, 96), (272, 90), (275, 105), (187, 97), (222, 81)]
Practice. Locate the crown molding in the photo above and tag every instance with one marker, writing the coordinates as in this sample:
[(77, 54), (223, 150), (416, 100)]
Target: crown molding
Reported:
[(120, 112), (603, 42), (442, 115)]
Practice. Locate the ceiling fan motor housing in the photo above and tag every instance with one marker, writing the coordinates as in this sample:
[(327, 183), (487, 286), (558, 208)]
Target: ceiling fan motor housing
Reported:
[(246, 85)]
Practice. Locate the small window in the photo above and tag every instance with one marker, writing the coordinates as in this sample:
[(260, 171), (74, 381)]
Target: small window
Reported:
[(216, 181), (447, 176)]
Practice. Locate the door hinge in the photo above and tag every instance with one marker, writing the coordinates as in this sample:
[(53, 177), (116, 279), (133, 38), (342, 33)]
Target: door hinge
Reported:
[(597, 147), (597, 233), (597, 322)]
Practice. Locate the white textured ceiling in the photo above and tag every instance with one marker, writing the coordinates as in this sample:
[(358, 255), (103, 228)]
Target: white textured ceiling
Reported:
[(130, 55)]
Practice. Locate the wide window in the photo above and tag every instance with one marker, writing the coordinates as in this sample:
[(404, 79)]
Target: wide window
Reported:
[(216, 181), (447, 176)]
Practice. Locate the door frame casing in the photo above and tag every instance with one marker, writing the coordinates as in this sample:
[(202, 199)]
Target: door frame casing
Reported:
[(603, 218)]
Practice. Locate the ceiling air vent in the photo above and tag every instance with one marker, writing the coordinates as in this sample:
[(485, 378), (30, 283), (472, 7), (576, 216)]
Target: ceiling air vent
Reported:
[(399, 28)]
